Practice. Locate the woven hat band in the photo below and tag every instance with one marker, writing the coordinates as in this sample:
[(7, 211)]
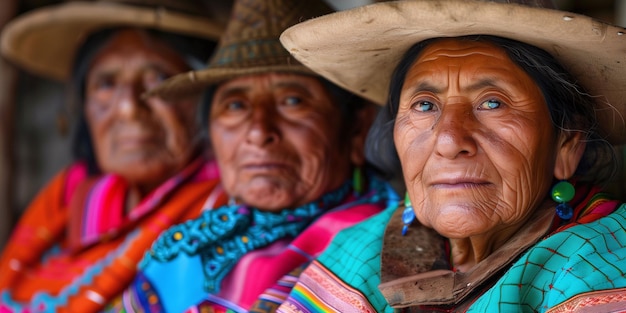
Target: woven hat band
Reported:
[(260, 52)]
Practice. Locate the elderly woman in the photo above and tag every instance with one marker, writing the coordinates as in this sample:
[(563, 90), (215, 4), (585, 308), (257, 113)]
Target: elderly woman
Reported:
[(289, 146), (139, 167), (499, 115)]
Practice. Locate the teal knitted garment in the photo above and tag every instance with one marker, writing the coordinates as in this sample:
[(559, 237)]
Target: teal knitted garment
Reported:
[(583, 258)]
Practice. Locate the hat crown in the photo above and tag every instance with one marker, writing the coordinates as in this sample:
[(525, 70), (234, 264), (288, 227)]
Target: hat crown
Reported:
[(252, 34), (45, 40)]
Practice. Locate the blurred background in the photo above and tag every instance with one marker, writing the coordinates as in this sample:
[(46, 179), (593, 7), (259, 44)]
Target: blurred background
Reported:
[(35, 123)]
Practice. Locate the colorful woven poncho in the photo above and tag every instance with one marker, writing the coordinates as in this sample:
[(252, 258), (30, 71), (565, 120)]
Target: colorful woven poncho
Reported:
[(228, 258), (75, 248), (573, 265)]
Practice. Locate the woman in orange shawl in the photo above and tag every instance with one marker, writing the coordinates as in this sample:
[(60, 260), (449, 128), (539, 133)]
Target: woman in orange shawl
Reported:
[(140, 166)]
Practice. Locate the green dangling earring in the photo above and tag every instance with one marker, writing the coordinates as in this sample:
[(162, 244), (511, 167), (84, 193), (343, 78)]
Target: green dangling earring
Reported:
[(357, 181), (408, 215), (561, 193)]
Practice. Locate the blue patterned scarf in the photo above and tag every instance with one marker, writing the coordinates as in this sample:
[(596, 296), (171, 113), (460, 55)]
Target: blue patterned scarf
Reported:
[(224, 235)]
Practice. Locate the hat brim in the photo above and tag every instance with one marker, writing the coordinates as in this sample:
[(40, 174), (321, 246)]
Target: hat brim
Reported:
[(44, 41), (197, 81), (358, 49)]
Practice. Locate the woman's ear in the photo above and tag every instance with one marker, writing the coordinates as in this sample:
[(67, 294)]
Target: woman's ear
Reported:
[(570, 151), (365, 117)]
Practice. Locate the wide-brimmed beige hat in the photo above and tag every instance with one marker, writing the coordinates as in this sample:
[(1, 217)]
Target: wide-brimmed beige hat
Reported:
[(358, 49), (249, 45), (44, 41)]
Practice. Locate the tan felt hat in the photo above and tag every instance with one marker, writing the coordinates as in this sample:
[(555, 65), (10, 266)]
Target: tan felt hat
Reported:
[(44, 41), (358, 49), (249, 44)]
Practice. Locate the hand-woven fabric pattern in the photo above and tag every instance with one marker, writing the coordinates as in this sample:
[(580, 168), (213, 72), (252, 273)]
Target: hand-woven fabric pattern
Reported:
[(578, 260), (354, 258), (222, 236), (260, 268)]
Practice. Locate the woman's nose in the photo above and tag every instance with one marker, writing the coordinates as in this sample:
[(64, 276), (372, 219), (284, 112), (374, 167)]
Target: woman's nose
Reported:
[(454, 131), (129, 102), (263, 128)]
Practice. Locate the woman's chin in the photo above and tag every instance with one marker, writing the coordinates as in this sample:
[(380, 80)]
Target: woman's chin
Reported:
[(452, 233), (268, 199), (266, 203), (460, 226), (146, 173)]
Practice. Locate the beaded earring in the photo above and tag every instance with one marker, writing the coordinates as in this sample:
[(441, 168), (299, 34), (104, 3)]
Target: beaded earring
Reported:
[(408, 216), (561, 193), (357, 181)]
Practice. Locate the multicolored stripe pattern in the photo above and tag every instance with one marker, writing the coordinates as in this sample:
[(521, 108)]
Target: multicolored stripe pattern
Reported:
[(318, 292), (258, 281), (60, 272)]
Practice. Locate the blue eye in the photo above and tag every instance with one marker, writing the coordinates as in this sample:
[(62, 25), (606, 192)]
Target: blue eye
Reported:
[(235, 105), (292, 101), (490, 104), (424, 106)]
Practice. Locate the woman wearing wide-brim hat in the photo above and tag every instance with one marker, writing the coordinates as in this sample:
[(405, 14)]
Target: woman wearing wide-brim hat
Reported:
[(289, 146), (140, 165), (500, 118)]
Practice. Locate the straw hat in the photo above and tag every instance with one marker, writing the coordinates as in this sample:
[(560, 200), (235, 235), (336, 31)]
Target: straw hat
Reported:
[(358, 49), (44, 41), (249, 44)]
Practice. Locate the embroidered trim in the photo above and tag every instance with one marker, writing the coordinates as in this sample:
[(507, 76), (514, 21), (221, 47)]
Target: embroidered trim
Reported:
[(613, 300), (319, 290)]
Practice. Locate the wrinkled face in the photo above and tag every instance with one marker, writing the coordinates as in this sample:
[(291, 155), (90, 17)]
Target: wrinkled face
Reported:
[(277, 139), (475, 139), (148, 141)]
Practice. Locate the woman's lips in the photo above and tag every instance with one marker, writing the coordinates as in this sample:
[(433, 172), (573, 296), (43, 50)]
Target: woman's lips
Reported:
[(264, 166), (452, 183), (131, 142)]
